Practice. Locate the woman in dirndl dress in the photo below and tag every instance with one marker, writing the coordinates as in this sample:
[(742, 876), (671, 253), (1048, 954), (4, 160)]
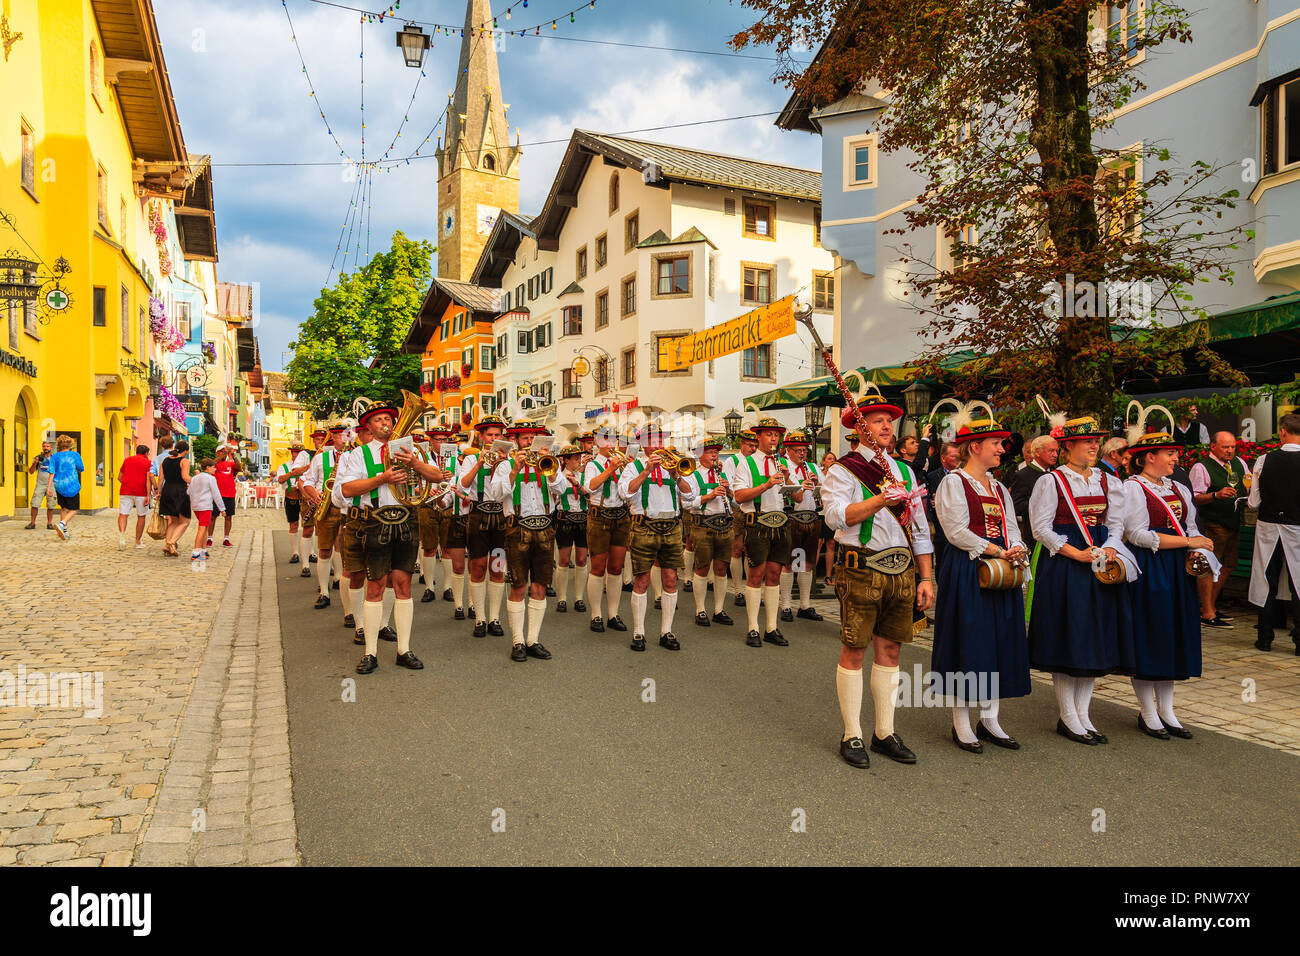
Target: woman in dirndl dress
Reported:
[(1160, 524), (1079, 628), (979, 652)]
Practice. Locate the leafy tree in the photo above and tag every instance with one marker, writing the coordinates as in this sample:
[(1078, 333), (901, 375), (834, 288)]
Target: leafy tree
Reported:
[(351, 345), (998, 105), (204, 446)]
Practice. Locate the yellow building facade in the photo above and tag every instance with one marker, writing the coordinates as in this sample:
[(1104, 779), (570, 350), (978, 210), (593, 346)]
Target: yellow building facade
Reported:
[(287, 420), (88, 136)]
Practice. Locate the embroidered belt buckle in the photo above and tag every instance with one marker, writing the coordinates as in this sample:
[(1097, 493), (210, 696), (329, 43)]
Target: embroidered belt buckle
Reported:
[(489, 507), (655, 525), (804, 517), (534, 522), (716, 522), (772, 519), (611, 514), (391, 514), (888, 561), (573, 517)]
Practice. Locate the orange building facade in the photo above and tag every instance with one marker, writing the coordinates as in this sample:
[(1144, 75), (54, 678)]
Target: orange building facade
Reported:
[(453, 336)]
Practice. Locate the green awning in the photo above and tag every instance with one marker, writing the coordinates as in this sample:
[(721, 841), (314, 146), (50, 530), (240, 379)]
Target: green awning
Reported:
[(823, 390), (1280, 313)]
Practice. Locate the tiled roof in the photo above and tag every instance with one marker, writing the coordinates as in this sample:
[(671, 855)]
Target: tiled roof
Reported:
[(476, 298)]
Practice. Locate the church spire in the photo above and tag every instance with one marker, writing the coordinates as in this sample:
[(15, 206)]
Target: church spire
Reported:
[(477, 134)]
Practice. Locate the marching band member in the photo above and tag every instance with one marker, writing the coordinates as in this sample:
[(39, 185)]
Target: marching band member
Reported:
[(571, 533), (435, 516), (609, 526), (1078, 624), (712, 533), (288, 475), (1160, 523), (390, 532), (979, 634), (739, 578), (318, 439), (656, 496), (758, 485), (530, 538), (805, 529), (485, 532), (881, 531), (321, 470), (352, 549), (455, 531)]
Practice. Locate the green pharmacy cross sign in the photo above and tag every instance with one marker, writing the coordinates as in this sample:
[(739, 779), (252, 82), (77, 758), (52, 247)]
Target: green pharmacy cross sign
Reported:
[(21, 280), (57, 300)]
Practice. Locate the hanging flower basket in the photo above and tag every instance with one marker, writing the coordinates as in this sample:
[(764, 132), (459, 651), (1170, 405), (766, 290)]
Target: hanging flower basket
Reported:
[(170, 405), (465, 371), (426, 388), (210, 352)]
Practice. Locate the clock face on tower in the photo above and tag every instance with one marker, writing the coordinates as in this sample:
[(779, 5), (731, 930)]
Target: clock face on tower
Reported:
[(448, 223)]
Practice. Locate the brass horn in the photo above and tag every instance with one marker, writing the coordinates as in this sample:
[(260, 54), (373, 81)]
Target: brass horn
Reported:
[(547, 464), (683, 466), (416, 490)]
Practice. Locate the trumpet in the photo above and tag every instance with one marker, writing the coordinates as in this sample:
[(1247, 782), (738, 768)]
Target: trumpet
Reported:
[(683, 466), (547, 464)]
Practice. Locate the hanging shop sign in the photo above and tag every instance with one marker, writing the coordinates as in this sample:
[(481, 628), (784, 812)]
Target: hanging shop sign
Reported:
[(759, 327)]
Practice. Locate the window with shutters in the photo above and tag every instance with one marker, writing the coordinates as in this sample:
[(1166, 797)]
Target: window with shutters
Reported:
[(817, 225), (602, 308), (525, 342), (487, 359), (125, 297), (759, 219), (1279, 122), (547, 279), (580, 264), (602, 250), (467, 361), (672, 276), (519, 296), (631, 231), (824, 291), (757, 283), (505, 303), (627, 298), (184, 320), (604, 373), (532, 288), (572, 320), (102, 200), (544, 336), (570, 384), (613, 192), (629, 366), (28, 167), (489, 404), (661, 343), (757, 363)]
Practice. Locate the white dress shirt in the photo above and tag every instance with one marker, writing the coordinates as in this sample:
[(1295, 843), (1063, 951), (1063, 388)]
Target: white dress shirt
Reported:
[(467, 465), (842, 488), (355, 470), (1252, 499), (336, 495), (1137, 519), (769, 466), (314, 476), (598, 498), (953, 511), (714, 506), (660, 501), (1043, 501), (810, 470), (530, 493)]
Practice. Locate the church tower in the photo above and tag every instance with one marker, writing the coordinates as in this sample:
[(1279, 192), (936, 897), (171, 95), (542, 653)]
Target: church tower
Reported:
[(478, 169)]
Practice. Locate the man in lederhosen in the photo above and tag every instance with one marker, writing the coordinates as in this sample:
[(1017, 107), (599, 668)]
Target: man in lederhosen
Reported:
[(738, 578), (390, 531), (805, 529), (571, 534), (609, 527), (435, 516), (485, 532), (759, 485), (881, 530), (527, 497), (352, 551), (318, 440), (656, 497), (314, 482), (288, 475), (712, 532)]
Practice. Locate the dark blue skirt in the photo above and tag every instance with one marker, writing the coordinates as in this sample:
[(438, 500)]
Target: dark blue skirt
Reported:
[(978, 635), (1166, 617), (1078, 625)]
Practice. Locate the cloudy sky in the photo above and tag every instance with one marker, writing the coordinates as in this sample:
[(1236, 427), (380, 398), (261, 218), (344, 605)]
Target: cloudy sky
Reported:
[(243, 97)]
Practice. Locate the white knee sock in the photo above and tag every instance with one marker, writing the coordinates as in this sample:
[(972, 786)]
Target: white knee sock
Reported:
[(595, 588), (304, 548), (657, 581), (771, 598), (478, 595), (372, 619), (989, 718), (345, 595), (669, 608), (536, 610), (638, 614), (388, 606), (562, 584), (323, 577), (1145, 692), (805, 589), (627, 572), (579, 582), (738, 582), (403, 613), (884, 691), (1165, 702), (1063, 684), (448, 578), (848, 688), (700, 592), (719, 595), (785, 588), (753, 598), (1083, 699), (961, 724), (515, 610), (358, 596), (495, 590), (614, 591), (457, 588)]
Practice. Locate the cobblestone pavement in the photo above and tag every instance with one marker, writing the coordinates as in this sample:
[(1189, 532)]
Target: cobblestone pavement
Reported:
[(192, 715)]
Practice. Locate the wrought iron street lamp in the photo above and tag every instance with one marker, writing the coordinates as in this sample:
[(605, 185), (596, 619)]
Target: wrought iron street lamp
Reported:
[(814, 416), (413, 42), (731, 422), (916, 397)]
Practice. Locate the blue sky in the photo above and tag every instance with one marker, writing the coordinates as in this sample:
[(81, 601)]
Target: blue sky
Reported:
[(242, 97)]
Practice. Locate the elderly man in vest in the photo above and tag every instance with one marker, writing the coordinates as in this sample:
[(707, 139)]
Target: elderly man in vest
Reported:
[(1275, 491), (1219, 487)]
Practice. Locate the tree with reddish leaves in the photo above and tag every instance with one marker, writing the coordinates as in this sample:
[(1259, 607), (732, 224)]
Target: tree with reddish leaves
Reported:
[(1077, 275)]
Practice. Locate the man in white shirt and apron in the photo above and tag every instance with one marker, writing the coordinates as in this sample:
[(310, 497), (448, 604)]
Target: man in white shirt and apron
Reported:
[(1275, 491)]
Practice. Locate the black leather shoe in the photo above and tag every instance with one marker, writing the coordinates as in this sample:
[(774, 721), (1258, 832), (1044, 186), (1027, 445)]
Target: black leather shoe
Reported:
[(480, 629), (1159, 734), (975, 748), (893, 748), (387, 634), (448, 596), (777, 638), (787, 615), (359, 638), (539, 651), (753, 639), (1182, 733), (615, 623), (702, 620), (518, 654), (739, 600), (1263, 643), (854, 753), (627, 587), (410, 661), (349, 621), (722, 617), (638, 642), (368, 664), (421, 578), (668, 642), (495, 628), (473, 613), (335, 585), (597, 626), (659, 604), (1069, 734), (323, 601), (1098, 736), (311, 558), (293, 558), (561, 607), (306, 573), (809, 614), (458, 614), (580, 606), (688, 587), (427, 596), (550, 591), (1007, 743)]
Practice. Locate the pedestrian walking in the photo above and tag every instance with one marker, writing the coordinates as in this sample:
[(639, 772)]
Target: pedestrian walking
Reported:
[(205, 497), (165, 445), (1275, 491), (228, 466), (66, 467), (173, 496), (1219, 486), (133, 495), (44, 487)]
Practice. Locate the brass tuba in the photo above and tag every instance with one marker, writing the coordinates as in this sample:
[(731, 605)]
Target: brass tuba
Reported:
[(416, 490)]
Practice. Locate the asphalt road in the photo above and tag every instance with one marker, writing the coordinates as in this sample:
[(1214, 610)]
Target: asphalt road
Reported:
[(737, 747)]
